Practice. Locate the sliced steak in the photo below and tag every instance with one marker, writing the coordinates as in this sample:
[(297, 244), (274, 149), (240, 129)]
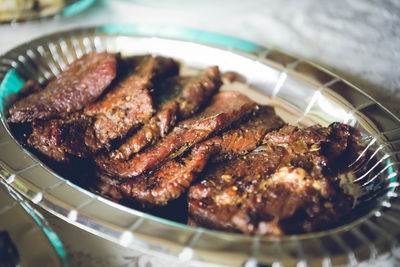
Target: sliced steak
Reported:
[(59, 138), (176, 175), (129, 104), (123, 108), (193, 94), (247, 136), (339, 142), (225, 109), (80, 84), (283, 187), (47, 137)]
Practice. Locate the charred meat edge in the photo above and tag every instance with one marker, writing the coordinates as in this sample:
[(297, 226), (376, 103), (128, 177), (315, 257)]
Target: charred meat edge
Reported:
[(176, 175), (264, 192), (224, 109), (189, 100), (84, 133)]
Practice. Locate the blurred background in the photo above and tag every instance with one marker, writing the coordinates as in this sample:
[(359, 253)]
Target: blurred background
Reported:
[(357, 39)]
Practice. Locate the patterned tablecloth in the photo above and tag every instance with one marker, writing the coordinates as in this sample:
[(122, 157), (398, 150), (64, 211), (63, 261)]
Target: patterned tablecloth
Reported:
[(359, 40)]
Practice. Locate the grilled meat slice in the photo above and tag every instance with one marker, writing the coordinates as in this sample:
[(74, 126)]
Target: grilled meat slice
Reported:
[(247, 136), (80, 84), (168, 182), (59, 138), (225, 109), (193, 94), (46, 137), (124, 108), (176, 175), (284, 187), (339, 142), (129, 104)]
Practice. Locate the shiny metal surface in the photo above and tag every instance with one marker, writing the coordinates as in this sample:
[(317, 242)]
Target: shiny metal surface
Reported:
[(302, 94), (35, 241)]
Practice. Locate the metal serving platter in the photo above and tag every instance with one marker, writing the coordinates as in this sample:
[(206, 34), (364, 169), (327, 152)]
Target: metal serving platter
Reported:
[(35, 241), (302, 93)]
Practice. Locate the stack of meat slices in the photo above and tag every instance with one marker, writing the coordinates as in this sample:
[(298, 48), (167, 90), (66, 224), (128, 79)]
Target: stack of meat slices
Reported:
[(288, 185), (155, 136)]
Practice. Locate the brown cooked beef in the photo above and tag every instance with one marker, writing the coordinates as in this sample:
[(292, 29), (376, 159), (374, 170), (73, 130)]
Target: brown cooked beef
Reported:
[(193, 93), (129, 104), (339, 142), (80, 84), (121, 110), (57, 138), (225, 108), (125, 107), (176, 175), (285, 187), (158, 141)]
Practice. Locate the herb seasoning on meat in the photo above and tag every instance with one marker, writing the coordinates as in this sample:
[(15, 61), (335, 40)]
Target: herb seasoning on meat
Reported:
[(150, 137)]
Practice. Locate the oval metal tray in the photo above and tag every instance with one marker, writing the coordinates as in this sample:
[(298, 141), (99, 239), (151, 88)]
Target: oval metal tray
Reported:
[(302, 94)]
